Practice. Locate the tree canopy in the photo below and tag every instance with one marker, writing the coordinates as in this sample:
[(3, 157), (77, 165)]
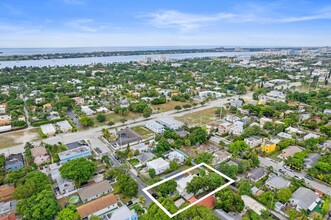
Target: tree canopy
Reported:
[(79, 170)]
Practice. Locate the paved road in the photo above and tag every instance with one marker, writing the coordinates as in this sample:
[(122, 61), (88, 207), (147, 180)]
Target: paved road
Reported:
[(141, 185), (276, 166)]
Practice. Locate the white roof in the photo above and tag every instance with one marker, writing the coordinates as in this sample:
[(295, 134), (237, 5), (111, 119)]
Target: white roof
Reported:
[(64, 125), (159, 162), (48, 128)]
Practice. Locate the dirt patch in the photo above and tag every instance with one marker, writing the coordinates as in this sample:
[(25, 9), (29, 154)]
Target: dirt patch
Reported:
[(13, 138)]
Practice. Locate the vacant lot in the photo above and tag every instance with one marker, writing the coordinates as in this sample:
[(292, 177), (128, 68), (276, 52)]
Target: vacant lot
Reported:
[(142, 131), (168, 106), (13, 138), (199, 118)]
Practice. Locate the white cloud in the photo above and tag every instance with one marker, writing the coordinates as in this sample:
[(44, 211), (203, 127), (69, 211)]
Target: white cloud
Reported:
[(188, 21), (86, 25)]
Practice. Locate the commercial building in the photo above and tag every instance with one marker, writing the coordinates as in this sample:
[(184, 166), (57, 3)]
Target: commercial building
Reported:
[(83, 151), (159, 165), (170, 123), (155, 127)]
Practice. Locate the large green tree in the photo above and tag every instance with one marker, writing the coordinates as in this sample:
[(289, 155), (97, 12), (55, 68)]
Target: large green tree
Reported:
[(41, 206), (79, 170), (229, 201), (69, 213)]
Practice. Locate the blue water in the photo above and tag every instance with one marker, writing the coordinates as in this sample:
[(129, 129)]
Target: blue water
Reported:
[(106, 60)]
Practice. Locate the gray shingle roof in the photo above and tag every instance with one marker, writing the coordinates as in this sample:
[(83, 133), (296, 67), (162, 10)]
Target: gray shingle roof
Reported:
[(305, 197)]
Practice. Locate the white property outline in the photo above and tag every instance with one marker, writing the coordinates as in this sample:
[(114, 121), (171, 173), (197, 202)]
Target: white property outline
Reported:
[(145, 190)]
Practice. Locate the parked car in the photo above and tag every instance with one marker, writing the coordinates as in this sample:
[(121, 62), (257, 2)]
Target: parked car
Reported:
[(309, 177), (129, 203)]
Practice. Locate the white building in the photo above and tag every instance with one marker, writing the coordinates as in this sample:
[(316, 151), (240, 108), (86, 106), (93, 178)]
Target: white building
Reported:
[(155, 127), (276, 96), (159, 165), (64, 126), (85, 109), (3, 108), (170, 123), (140, 147), (176, 156), (181, 184), (310, 135), (48, 129), (205, 94), (253, 141), (284, 135)]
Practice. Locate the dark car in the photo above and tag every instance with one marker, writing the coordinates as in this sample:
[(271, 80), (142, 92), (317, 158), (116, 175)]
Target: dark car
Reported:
[(309, 177), (129, 203), (155, 195)]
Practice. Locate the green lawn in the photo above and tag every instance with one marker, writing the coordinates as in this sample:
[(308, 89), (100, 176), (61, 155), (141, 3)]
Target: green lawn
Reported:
[(199, 117), (134, 161), (116, 118), (142, 131), (168, 106)]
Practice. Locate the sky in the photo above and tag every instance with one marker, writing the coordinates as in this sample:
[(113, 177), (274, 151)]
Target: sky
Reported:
[(97, 23)]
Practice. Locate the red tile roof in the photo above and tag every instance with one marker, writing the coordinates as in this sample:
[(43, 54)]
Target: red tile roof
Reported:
[(208, 202)]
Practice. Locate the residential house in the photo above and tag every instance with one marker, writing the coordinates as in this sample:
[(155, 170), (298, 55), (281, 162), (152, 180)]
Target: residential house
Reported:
[(48, 129), (144, 157), (253, 141), (290, 151), (182, 133), (327, 111), (40, 155), (61, 186), (276, 96), (257, 174), (141, 147), (237, 130), (182, 183), (224, 127), (94, 191), (221, 156), (83, 151), (227, 215), (7, 208), (236, 103), (78, 101), (176, 156), (87, 111), (310, 135), (99, 207), (311, 159), (47, 107), (284, 135), (64, 126), (155, 127), (3, 108), (14, 162), (208, 202), (277, 182), (159, 165), (232, 118), (304, 198), (124, 213), (6, 192), (268, 146)]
